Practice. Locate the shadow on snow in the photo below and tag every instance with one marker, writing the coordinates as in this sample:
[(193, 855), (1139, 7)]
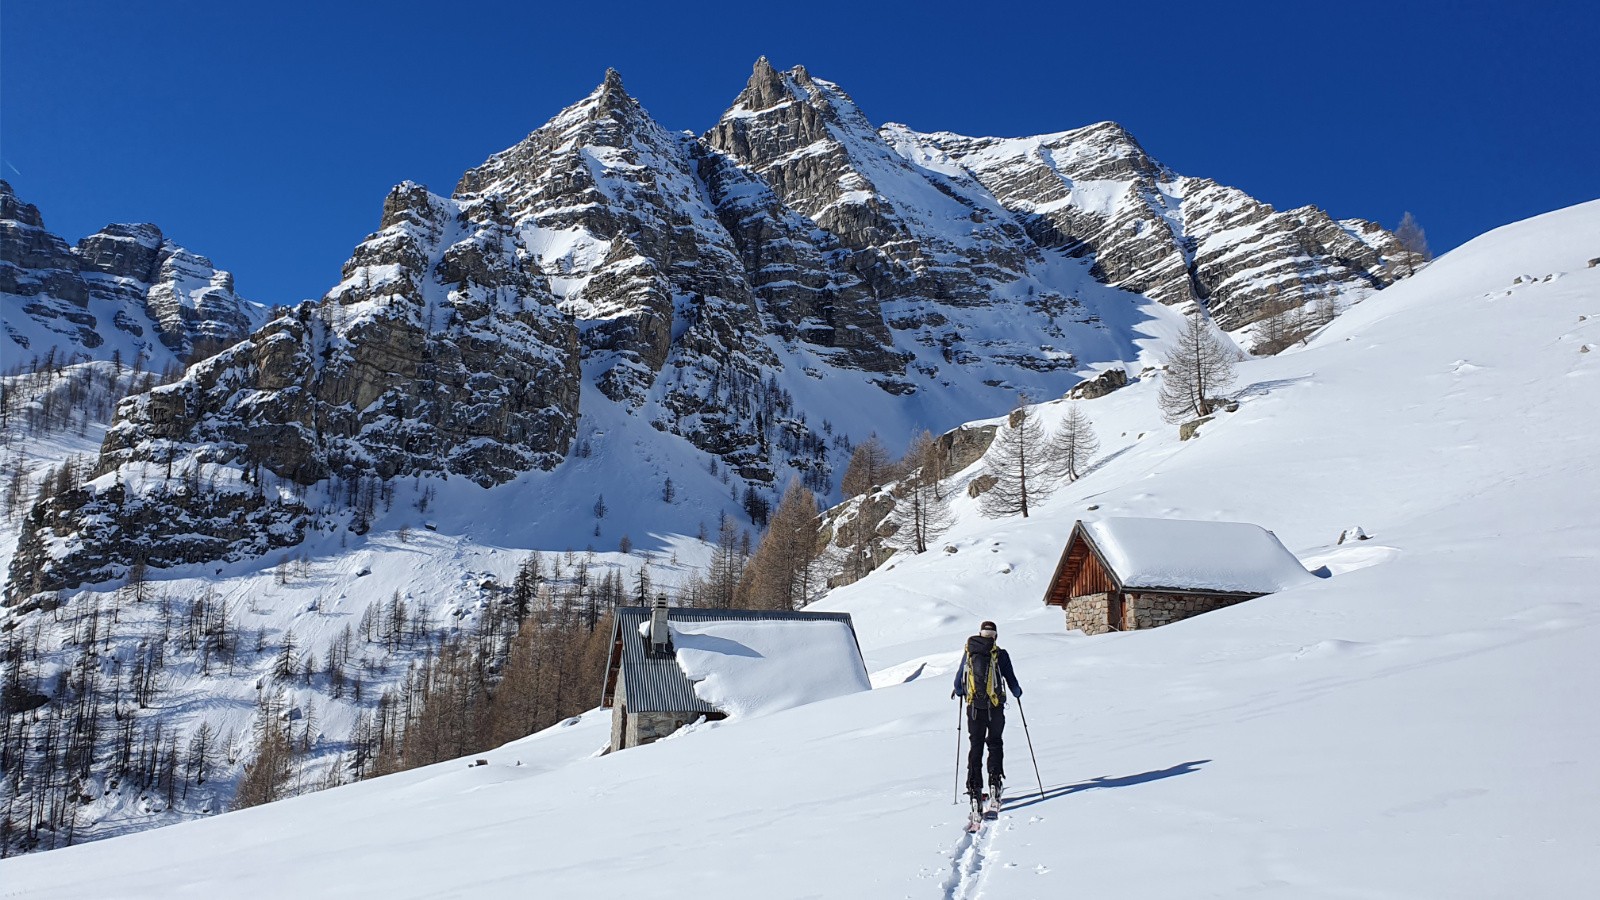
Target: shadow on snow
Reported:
[(1103, 781)]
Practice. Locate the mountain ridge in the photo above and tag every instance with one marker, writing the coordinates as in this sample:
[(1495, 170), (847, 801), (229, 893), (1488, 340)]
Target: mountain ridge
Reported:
[(126, 290), (722, 289)]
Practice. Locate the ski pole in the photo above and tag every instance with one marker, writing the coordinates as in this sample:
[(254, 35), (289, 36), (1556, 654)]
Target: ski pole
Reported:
[(1030, 745), (955, 793)]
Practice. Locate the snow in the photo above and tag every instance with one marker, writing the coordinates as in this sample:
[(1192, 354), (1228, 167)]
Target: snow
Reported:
[(1215, 556), (1413, 726), (755, 668)]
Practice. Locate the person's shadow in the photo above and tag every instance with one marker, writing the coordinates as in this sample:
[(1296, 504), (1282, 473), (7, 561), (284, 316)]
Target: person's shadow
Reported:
[(1106, 782)]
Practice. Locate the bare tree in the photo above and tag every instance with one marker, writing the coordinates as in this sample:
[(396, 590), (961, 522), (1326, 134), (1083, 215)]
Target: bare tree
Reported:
[(921, 514), (1414, 241), (1074, 444), (267, 776), (922, 507), (1019, 462), (1284, 321), (1198, 369), (726, 566), (202, 752)]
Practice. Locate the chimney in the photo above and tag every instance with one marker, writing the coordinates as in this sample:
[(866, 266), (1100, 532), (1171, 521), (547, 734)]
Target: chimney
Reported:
[(660, 638)]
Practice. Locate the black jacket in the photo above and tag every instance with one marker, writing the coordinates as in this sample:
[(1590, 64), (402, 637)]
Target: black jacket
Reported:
[(978, 645)]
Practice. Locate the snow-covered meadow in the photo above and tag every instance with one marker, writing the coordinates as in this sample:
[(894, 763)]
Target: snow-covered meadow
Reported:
[(1412, 725)]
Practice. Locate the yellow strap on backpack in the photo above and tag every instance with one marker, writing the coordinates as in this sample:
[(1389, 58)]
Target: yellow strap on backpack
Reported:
[(990, 687)]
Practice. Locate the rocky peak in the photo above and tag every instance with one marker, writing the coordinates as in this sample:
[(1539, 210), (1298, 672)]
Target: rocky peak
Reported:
[(917, 233), (34, 261), (14, 210), (124, 290), (765, 89), (124, 251), (1094, 192), (409, 203)]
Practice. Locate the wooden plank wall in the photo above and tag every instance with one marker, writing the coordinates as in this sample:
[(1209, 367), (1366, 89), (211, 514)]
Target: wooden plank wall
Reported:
[(1082, 575)]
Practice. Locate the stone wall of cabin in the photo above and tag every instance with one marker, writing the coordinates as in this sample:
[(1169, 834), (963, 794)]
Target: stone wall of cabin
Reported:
[(1089, 614), (1155, 610), (619, 726), (644, 727)]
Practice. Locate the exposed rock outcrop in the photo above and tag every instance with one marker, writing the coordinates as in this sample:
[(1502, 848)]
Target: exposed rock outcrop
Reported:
[(1095, 192), (1099, 386), (124, 290), (441, 352)]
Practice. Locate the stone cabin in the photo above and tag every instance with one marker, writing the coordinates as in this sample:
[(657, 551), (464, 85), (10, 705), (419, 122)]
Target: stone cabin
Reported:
[(651, 696), (1122, 574)]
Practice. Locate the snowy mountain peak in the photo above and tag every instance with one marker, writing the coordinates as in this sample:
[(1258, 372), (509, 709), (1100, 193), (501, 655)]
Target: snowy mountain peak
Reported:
[(125, 292), (723, 292), (765, 89)]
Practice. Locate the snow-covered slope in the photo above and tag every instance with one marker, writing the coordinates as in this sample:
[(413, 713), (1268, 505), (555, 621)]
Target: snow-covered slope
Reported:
[(1412, 725)]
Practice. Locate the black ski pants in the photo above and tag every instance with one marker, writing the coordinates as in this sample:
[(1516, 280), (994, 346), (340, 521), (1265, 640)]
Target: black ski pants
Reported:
[(985, 726)]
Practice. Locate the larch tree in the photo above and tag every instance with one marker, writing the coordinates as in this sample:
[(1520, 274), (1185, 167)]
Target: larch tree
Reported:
[(268, 775), (1414, 241), (1284, 321), (870, 465), (1019, 462), (782, 572), (722, 580), (1074, 444), (922, 508), (1198, 370)]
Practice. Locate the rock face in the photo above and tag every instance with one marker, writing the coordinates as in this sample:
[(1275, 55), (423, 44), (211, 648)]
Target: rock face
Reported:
[(915, 233), (441, 352), (1106, 382), (1094, 192), (769, 292), (125, 289), (438, 352)]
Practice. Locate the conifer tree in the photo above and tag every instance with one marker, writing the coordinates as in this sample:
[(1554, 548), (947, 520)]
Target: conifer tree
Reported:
[(782, 572), (870, 465), (267, 776), (922, 508), (723, 579), (1074, 444), (1198, 370), (1414, 241), (1019, 462)]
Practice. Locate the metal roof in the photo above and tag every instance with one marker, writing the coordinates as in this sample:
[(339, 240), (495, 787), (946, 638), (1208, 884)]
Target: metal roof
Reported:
[(653, 681)]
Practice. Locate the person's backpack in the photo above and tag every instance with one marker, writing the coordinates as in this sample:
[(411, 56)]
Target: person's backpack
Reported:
[(983, 664)]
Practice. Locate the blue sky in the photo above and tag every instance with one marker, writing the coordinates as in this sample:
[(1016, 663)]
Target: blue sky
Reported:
[(266, 135)]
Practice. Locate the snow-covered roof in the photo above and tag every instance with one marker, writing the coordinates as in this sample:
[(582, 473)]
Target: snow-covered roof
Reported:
[(1232, 557), (737, 661)]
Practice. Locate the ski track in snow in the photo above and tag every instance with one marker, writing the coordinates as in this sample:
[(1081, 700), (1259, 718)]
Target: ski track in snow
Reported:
[(966, 863)]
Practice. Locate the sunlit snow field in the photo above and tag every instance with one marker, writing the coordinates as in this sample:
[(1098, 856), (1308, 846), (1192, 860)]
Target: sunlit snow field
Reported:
[(1414, 725)]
